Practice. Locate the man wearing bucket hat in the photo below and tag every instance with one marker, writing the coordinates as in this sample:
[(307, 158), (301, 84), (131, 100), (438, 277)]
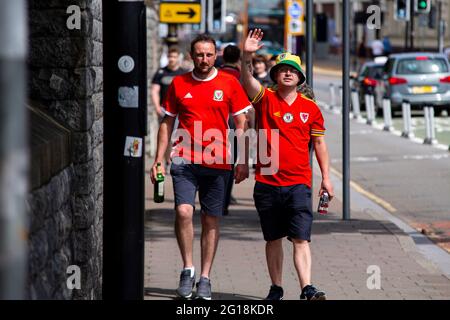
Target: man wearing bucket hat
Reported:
[(283, 196)]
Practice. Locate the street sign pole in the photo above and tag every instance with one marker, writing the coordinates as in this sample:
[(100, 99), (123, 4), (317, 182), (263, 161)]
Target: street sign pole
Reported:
[(440, 26), (205, 16), (411, 32), (346, 111), (309, 42), (125, 127), (309, 66)]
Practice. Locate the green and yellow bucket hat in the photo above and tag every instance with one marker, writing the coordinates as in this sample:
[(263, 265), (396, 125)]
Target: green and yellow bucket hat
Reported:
[(291, 60)]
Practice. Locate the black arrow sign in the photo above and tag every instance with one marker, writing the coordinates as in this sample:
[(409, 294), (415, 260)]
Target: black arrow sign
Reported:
[(191, 13)]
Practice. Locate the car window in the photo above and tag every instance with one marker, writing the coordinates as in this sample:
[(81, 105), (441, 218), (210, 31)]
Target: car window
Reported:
[(417, 66), (376, 72)]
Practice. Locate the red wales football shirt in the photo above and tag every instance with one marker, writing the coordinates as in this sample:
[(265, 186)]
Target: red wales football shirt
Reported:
[(285, 160), (203, 108)]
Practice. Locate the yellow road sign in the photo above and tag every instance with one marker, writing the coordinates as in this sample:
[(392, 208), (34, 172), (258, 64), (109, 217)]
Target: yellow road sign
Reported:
[(180, 12)]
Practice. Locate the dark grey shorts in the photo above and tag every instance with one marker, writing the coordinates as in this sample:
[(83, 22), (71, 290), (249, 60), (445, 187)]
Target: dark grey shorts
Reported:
[(284, 211), (210, 183)]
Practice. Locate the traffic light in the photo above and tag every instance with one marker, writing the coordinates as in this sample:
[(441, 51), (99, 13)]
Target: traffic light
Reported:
[(216, 15), (422, 6), (402, 10), (432, 17)]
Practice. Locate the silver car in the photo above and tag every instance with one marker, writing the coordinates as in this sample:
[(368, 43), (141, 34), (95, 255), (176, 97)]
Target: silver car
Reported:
[(423, 79)]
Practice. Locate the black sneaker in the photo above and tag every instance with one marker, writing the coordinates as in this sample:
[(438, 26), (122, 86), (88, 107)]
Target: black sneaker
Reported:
[(186, 284), (310, 292), (275, 293), (203, 289)]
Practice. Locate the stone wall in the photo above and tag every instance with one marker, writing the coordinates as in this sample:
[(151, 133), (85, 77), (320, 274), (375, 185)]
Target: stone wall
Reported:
[(66, 79)]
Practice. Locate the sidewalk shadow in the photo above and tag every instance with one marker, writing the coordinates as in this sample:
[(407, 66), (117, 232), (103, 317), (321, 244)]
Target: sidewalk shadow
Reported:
[(332, 223), (243, 224), (238, 225), (170, 294)]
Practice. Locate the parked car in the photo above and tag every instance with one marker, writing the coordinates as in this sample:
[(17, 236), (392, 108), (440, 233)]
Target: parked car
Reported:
[(423, 79), (367, 81)]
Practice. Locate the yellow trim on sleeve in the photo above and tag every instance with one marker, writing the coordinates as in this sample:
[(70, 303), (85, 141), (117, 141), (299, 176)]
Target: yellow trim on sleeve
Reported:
[(317, 132), (305, 97), (259, 95)]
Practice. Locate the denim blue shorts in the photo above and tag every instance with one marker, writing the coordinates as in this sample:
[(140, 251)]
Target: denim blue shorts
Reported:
[(284, 211), (211, 185)]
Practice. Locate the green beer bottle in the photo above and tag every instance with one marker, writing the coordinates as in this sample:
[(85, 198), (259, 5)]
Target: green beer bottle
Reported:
[(158, 194)]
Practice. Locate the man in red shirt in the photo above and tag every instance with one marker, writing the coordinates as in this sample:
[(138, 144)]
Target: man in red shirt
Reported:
[(283, 194), (201, 157)]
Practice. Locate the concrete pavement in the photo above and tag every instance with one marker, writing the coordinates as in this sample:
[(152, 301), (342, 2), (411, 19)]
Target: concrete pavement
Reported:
[(347, 255)]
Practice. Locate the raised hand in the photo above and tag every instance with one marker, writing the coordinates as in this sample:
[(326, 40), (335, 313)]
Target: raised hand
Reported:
[(252, 42)]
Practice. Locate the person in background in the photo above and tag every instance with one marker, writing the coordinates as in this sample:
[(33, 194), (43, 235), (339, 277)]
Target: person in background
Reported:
[(160, 85), (387, 47), (271, 62), (219, 61), (362, 53), (186, 62), (260, 71), (335, 44), (377, 48), (232, 60)]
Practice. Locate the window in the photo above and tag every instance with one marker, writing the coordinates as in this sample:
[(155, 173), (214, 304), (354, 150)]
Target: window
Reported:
[(425, 66)]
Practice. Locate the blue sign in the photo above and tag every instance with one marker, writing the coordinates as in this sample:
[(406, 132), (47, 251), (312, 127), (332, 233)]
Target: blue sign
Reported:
[(295, 10)]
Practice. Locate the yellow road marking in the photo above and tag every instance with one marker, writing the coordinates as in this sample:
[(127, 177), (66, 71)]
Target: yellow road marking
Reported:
[(386, 205)]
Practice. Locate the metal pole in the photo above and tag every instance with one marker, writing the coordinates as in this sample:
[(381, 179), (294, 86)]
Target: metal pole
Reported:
[(407, 128), (346, 111), (427, 139), (309, 42), (372, 107), (369, 116), (406, 36), (440, 29), (125, 127), (412, 32), (432, 126), (309, 64), (13, 149), (387, 114), (429, 125), (332, 96), (355, 104)]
